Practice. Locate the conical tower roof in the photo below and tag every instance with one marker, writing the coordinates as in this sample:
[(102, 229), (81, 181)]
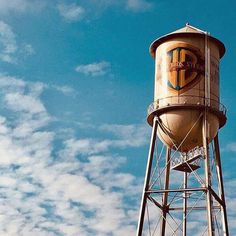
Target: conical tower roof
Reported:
[(188, 29), (191, 32)]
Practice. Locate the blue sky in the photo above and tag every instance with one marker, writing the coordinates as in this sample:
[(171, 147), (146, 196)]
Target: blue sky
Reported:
[(75, 81)]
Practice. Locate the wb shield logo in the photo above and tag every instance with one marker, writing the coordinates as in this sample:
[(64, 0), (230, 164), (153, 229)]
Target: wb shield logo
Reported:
[(184, 66)]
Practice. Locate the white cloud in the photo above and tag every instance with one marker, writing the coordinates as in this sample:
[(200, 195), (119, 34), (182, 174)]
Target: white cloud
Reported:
[(20, 6), (47, 196), (71, 12), (8, 45), (95, 8), (20, 102), (94, 69), (231, 147), (73, 147), (7, 181), (11, 84), (28, 49), (10, 50), (14, 5), (126, 136), (131, 135), (138, 5), (66, 90)]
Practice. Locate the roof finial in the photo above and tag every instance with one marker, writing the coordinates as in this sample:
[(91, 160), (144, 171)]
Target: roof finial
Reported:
[(187, 24)]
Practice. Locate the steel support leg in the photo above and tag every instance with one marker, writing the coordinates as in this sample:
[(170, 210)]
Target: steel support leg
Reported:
[(185, 205), (165, 194), (221, 186), (211, 228), (147, 177)]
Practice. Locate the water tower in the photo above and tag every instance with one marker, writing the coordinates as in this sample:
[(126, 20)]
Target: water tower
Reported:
[(183, 190)]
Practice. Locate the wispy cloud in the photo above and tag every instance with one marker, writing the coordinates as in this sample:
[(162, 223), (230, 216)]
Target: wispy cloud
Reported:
[(20, 6), (89, 9), (45, 194), (66, 90), (134, 135), (231, 147), (138, 5), (94, 69), (21, 102), (7, 42), (130, 5), (28, 49), (71, 12), (125, 136), (230, 184), (10, 50)]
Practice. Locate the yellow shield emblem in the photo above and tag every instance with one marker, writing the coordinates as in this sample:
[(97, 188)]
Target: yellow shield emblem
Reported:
[(184, 66)]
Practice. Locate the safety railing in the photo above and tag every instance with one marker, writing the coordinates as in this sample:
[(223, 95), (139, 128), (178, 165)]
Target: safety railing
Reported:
[(187, 100)]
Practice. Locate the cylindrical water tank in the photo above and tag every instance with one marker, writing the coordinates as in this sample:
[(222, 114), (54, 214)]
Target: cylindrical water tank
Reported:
[(183, 90)]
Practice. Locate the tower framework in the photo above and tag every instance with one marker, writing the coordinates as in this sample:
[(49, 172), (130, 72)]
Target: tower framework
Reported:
[(195, 202), (183, 190)]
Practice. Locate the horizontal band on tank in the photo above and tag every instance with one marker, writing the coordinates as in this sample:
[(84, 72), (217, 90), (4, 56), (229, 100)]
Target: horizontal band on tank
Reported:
[(174, 35), (166, 104)]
